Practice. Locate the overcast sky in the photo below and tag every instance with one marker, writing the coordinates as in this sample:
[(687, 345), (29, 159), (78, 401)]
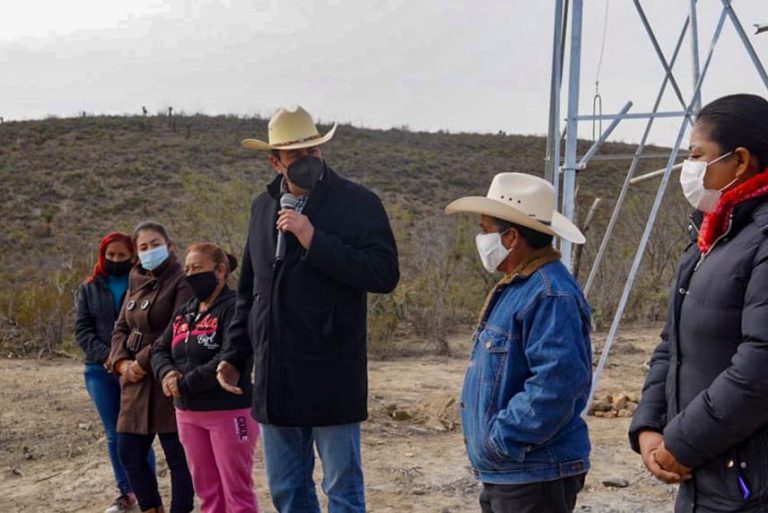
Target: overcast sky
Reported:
[(479, 66)]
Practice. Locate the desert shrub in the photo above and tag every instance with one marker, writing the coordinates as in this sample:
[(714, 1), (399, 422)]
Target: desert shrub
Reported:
[(386, 315), (441, 288), (215, 210), (648, 300), (37, 319)]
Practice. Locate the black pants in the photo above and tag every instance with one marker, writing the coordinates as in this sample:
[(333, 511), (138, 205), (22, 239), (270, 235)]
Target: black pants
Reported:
[(547, 497), (133, 450)]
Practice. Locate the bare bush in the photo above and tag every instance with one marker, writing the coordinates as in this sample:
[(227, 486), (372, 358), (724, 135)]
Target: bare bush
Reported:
[(38, 319)]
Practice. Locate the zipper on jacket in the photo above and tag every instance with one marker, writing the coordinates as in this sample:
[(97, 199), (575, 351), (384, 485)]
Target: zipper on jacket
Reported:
[(712, 247), (677, 337)]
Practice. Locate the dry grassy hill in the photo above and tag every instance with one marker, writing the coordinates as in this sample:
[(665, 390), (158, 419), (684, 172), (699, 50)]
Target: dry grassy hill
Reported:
[(65, 182)]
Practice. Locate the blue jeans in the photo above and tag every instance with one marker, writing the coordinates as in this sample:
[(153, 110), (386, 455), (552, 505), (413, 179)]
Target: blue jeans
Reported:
[(104, 390), (289, 459)]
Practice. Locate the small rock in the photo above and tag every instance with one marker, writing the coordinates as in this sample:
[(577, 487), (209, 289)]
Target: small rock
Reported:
[(599, 414), (609, 414), (633, 397), (624, 413), (418, 430), (401, 415), (620, 402), (615, 482), (632, 407), (436, 425), (600, 406), (85, 426), (16, 471)]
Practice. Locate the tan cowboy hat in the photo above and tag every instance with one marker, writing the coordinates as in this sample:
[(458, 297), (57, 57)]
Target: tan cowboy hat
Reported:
[(522, 199), (290, 129)]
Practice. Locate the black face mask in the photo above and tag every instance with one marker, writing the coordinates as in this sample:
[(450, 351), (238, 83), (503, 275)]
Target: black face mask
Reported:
[(306, 171), (118, 268), (203, 284)]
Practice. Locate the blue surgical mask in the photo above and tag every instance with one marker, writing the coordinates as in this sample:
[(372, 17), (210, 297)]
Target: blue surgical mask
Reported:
[(153, 258)]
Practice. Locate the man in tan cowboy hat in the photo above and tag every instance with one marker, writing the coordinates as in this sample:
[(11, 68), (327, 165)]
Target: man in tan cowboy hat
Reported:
[(531, 366), (317, 243)]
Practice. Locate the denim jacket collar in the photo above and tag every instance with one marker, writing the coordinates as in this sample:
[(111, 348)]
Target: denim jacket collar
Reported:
[(523, 271), (532, 263)]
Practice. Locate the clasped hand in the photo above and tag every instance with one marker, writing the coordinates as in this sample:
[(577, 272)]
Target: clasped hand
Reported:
[(130, 370), (171, 383), (659, 461)]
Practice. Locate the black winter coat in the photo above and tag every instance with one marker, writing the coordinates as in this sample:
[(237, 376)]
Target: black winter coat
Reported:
[(191, 344), (707, 389), (304, 320), (95, 319)]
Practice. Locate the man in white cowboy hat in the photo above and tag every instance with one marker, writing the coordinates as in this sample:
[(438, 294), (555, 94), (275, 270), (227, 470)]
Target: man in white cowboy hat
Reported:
[(301, 316), (531, 366)]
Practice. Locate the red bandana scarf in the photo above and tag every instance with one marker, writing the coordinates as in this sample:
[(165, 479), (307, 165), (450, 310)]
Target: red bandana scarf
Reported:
[(716, 222)]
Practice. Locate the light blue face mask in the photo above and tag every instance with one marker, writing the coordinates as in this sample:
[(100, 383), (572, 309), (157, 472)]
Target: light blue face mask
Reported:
[(153, 258)]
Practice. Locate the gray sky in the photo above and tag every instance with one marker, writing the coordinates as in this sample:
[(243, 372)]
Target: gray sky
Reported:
[(479, 66)]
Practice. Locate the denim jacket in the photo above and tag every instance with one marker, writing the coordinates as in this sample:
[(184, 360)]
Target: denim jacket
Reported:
[(529, 377)]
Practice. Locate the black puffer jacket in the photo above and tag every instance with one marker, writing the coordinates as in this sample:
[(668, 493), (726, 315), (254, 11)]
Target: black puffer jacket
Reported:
[(304, 321), (95, 319), (707, 389)]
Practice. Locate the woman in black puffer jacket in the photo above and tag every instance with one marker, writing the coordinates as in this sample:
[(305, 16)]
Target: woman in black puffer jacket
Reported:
[(703, 417), (99, 299)]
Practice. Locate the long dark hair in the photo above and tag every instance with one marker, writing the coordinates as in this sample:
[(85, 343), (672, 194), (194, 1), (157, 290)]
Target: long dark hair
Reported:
[(738, 120)]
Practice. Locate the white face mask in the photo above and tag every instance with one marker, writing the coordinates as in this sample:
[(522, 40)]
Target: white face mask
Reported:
[(492, 251), (692, 181)]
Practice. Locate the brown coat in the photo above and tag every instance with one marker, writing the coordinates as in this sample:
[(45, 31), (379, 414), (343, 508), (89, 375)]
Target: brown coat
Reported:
[(148, 307)]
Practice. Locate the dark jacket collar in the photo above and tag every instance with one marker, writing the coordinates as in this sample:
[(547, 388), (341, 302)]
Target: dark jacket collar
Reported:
[(694, 225), (760, 215), (193, 305), (754, 210)]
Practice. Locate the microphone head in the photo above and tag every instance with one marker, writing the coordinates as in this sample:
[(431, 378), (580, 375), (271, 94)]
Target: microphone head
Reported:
[(288, 201)]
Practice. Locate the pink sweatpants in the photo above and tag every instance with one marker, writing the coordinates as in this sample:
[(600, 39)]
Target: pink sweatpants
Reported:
[(219, 446)]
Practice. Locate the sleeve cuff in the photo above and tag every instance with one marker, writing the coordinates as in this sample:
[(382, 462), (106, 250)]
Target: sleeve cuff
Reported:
[(143, 357), (680, 449), (317, 249), (102, 353), (184, 385), (162, 371)]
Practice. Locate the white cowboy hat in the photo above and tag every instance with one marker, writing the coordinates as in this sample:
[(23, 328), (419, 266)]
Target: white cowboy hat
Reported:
[(290, 129), (522, 199)]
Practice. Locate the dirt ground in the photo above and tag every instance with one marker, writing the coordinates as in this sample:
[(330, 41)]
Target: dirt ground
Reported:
[(53, 454)]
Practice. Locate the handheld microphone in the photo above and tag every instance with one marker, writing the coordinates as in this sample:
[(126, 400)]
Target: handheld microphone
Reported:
[(287, 202)]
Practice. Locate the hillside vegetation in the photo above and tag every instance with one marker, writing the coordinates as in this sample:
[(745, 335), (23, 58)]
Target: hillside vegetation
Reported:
[(65, 182)]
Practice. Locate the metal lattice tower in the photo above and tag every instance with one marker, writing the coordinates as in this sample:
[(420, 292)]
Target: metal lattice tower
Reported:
[(563, 176)]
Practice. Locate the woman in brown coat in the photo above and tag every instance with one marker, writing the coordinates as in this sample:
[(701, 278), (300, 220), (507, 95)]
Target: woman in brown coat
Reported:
[(156, 289)]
